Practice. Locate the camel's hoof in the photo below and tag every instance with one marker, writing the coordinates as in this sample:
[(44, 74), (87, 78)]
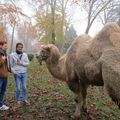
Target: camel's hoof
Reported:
[(84, 110), (77, 117), (119, 106), (82, 115)]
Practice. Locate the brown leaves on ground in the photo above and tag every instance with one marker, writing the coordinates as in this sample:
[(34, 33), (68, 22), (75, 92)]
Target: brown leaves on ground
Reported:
[(51, 99)]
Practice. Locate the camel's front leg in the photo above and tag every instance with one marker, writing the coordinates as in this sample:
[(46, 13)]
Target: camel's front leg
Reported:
[(80, 102)]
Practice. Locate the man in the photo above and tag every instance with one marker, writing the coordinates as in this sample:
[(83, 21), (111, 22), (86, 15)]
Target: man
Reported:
[(19, 62), (3, 73)]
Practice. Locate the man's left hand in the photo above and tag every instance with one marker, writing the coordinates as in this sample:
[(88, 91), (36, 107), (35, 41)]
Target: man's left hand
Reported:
[(19, 62)]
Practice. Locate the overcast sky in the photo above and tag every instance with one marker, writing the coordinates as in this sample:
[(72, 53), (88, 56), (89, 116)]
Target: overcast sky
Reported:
[(80, 22)]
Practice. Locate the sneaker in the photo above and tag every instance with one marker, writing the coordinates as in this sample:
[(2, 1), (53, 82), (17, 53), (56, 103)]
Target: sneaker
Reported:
[(18, 102), (26, 102), (4, 107)]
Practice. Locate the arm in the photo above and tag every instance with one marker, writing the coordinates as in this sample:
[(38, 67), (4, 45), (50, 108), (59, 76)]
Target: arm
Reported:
[(2, 60), (11, 62), (25, 62)]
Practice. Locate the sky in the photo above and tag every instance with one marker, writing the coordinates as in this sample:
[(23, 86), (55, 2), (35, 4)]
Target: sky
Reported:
[(80, 22)]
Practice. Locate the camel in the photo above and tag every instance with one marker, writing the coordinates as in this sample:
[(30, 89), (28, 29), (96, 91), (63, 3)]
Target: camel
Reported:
[(88, 61)]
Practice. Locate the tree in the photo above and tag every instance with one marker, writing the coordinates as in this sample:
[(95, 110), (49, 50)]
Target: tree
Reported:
[(94, 8), (54, 9), (49, 7), (43, 27), (111, 13), (70, 34), (53, 5), (11, 14), (26, 35), (3, 35), (13, 23), (62, 10)]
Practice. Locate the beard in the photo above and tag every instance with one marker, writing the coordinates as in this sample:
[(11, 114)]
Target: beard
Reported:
[(19, 52)]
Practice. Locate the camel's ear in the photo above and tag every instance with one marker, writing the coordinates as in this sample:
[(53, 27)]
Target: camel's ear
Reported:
[(45, 47)]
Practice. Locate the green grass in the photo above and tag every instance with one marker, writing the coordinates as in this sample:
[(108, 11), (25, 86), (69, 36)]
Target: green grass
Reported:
[(51, 99)]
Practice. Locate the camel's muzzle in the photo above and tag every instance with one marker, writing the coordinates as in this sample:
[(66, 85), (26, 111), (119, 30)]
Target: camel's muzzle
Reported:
[(44, 58)]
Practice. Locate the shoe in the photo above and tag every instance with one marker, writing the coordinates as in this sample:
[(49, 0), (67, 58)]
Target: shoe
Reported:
[(26, 102), (18, 102), (4, 107)]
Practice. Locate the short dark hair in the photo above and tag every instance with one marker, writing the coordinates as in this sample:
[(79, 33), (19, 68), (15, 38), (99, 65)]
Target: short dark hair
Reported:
[(3, 42), (19, 44)]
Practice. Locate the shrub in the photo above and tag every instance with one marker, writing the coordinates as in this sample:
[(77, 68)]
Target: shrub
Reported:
[(39, 59), (30, 57)]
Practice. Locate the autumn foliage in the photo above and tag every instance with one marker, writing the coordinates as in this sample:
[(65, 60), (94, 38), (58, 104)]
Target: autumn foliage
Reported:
[(2, 33)]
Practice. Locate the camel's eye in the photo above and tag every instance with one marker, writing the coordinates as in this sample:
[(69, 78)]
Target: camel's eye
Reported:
[(42, 52)]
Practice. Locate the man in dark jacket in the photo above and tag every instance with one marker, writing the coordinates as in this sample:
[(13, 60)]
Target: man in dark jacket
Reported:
[(3, 73)]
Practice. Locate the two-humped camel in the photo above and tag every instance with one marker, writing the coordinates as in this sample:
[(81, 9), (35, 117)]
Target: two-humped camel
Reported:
[(88, 61)]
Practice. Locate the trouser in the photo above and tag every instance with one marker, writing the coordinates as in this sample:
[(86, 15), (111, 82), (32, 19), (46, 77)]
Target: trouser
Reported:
[(3, 85), (20, 78)]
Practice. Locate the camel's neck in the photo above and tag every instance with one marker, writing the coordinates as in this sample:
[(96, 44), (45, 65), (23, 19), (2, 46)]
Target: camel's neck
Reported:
[(58, 70)]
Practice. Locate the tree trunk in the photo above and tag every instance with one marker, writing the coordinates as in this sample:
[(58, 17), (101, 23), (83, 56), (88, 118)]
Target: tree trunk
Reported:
[(53, 22), (87, 30), (26, 39), (88, 27), (13, 31), (118, 22)]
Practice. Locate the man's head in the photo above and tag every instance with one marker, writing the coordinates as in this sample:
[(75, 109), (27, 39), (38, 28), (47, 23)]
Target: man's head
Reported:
[(3, 45), (19, 48)]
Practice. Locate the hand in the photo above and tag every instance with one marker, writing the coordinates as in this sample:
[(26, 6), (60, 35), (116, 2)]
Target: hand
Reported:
[(3, 57), (19, 62)]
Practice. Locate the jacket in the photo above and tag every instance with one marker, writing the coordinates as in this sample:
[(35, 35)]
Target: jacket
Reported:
[(15, 68), (3, 64)]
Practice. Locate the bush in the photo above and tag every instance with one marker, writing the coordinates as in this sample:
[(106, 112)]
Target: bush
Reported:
[(30, 57), (39, 59)]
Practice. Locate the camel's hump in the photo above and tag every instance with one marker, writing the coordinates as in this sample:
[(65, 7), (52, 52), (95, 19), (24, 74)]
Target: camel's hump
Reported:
[(109, 36)]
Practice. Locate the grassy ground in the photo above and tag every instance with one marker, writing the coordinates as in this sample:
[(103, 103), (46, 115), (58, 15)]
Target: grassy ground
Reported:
[(51, 99)]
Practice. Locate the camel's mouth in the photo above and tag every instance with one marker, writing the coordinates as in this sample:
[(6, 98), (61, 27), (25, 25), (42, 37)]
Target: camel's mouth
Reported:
[(43, 55), (41, 58), (44, 58)]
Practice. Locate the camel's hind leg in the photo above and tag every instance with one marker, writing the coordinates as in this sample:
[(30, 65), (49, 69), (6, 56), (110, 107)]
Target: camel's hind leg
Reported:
[(113, 95)]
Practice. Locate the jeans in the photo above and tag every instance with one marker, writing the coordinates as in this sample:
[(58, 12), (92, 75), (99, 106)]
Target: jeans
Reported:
[(3, 84), (20, 77)]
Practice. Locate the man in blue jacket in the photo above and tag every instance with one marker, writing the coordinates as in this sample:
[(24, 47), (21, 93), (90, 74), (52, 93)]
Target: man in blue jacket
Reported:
[(19, 62)]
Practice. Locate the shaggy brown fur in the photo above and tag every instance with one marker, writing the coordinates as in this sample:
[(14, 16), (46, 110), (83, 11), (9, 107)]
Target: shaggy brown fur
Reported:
[(105, 49), (87, 62), (107, 37), (110, 63)]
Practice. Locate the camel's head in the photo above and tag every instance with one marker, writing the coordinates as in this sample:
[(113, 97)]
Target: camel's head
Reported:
[(49, 53)]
